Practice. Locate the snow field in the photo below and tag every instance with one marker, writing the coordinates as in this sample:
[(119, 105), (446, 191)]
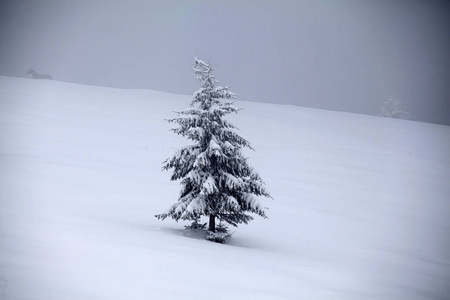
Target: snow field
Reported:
[(360, 207)]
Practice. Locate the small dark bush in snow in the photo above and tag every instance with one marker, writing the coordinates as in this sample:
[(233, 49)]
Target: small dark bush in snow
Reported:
[(218, 237), (196, 225)]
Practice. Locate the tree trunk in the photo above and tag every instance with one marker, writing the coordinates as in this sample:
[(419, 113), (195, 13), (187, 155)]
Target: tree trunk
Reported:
[(212, 223)]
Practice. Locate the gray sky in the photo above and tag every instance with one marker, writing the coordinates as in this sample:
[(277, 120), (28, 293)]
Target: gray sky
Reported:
[(337, 55)]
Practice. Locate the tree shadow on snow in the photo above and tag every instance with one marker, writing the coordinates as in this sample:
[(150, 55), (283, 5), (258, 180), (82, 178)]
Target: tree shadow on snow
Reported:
[(189, 233), (234, 241)]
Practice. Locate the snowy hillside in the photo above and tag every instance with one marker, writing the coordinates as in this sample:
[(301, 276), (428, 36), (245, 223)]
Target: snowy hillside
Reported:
[(361, 205)]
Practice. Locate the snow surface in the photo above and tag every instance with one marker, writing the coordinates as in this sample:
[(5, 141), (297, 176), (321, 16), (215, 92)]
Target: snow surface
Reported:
[(360, 211)]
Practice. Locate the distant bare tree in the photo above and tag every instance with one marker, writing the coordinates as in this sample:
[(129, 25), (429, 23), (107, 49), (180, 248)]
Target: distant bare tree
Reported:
[(393, 108), (36, 75)]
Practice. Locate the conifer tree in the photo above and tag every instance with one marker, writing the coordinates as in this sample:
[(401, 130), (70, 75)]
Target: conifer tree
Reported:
[(393, 108), (216, 179)]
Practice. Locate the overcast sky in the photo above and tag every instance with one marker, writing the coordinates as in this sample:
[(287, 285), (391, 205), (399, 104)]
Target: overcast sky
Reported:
[(338, 55)]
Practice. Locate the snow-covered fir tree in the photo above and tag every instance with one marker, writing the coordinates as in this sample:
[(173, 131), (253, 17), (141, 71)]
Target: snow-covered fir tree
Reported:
[(216, 179), (393, 108)]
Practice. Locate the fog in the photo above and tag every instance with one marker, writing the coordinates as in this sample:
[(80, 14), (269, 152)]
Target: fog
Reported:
[(335, 55)]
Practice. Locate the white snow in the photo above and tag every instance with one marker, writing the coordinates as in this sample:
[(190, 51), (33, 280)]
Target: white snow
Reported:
[(361, 204)]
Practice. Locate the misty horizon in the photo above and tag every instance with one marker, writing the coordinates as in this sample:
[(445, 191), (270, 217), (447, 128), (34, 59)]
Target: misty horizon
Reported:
[(335, 55)]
